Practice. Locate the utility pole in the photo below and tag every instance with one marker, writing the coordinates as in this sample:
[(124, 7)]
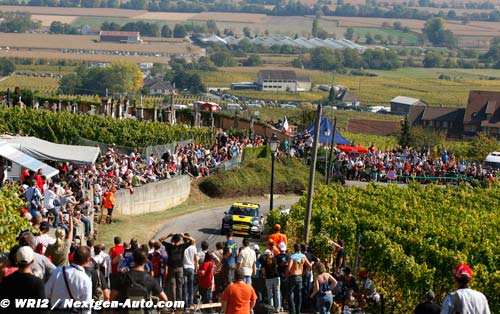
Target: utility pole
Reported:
[(332, 145), (312, 172)]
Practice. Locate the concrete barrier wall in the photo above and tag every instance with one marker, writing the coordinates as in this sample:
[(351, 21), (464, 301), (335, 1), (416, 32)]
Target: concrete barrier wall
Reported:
[(153, 197)]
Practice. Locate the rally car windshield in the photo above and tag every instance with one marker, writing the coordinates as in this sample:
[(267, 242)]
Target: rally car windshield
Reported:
[(243, 211)]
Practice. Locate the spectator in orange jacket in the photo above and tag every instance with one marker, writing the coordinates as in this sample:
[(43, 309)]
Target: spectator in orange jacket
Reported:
[(109, 201), (277, 237)]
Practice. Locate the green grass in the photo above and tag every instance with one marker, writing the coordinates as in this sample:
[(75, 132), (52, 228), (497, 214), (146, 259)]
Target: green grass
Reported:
[(144, 227), (253, 177), (425, 73), (281, 96), (410, 38)]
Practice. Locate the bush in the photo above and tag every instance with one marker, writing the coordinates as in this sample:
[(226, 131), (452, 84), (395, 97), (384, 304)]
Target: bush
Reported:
[(11, 222), (417, 232), (67, 128), (254, 177)]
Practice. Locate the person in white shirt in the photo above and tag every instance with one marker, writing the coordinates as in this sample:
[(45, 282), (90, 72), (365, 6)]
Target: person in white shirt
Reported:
[(464, 300), (247, 261), (49, 203), (190, 268), (71, 282), (43, 240)]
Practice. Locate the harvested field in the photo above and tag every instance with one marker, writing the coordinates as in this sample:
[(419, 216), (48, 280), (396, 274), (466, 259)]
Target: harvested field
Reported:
[(459, 12), (56, 55), (73, 11), (283, 25), (45, 41), (229, 17), (474, 28), (48, 19), (165, 16)]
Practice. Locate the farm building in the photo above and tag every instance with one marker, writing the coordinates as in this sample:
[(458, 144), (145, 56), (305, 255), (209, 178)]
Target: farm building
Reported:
[(448, 119), (282, 81), (158, 86), (482, 113), (401, 104), (120, 37)]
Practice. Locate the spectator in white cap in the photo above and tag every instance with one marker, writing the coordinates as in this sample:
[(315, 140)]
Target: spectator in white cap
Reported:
[(282, 260), (22, 283)]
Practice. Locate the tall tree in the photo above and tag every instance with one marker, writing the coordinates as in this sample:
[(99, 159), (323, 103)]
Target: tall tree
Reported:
[(482, 145), (405, 138), (180, 31), (6, 66), (166, 32), (349, 33), (435, 31), (314, 30), (123, 77)]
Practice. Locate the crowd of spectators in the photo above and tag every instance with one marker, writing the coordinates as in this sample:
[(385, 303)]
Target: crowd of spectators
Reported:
[(406, 164), (172, 268)]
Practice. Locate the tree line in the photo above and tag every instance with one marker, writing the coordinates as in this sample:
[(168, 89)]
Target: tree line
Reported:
[(327, 59), (17, 22)]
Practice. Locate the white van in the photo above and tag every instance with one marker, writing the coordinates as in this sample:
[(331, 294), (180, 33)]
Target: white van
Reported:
[(180, 107), (492, 160), (233, 107)]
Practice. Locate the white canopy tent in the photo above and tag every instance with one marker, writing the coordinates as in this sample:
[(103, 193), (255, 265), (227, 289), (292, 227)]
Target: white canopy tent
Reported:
[(44, 150), (12, 154)]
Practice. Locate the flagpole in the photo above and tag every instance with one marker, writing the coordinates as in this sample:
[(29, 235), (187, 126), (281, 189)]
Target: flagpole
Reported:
[(332, 145)]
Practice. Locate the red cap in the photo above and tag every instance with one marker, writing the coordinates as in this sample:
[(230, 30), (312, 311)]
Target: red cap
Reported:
[(363, 273), (461, 270), (24, 211)]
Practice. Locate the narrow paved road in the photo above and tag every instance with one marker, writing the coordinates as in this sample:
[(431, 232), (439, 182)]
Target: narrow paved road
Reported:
[(205, 225)]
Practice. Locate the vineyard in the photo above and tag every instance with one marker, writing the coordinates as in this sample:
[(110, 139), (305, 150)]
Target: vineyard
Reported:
[(411, 238), (67, 128), (10, 220)]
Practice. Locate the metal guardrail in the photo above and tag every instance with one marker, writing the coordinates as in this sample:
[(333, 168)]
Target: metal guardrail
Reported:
[(230, 164)]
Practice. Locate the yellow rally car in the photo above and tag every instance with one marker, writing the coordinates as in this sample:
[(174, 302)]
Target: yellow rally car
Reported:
[(244, 219)]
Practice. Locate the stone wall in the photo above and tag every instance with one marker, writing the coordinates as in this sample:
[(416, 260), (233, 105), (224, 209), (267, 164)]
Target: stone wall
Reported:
[(153, 197)]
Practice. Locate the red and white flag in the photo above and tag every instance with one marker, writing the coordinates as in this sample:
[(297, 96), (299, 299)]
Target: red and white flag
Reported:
[(286, 128)]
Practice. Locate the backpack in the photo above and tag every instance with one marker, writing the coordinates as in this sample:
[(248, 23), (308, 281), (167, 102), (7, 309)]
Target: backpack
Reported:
[(135, 292), (263, 308), (35, 201), (39, 248), (457, 305), (157, 262)]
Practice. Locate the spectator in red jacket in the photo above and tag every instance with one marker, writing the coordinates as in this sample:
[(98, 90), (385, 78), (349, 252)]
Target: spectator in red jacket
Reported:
[(206, 278)]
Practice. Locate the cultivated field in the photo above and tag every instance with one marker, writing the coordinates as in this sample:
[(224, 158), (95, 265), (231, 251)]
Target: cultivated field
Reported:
[(56, 55), (73, 11), (379, 90), (229, 17), (459, 12), (165, 16), (47, 41), (410, 38), (43, 84), (474, 28), (48, 19)]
